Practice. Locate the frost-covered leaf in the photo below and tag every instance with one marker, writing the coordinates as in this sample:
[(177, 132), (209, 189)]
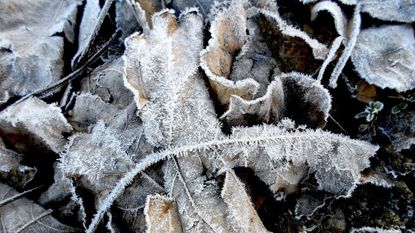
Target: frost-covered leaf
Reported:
[(306, 100), (92, 19), (228, 32), (275, 154), (319, 50), (400, 128), (34, 121), (95, 158), (127, 17), (268, 108), (23, 215), (390, 10), (161, 215), (31, 45), (385, 56), (161, 69), (60, 188), (240, 206)]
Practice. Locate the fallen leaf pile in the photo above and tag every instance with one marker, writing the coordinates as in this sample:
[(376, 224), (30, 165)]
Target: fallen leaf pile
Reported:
[(207, 116)]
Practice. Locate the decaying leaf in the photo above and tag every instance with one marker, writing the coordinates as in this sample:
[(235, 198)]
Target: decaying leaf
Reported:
[(385, 56), (31, 47), (23, 215), (34, 121), (161, 215)]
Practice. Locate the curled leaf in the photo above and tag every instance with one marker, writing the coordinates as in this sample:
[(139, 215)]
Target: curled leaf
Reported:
[(228, 37)]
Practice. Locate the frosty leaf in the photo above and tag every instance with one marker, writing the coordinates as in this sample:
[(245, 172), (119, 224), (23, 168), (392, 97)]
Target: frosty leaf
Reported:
[(384, 60), (319, 50), (240, 206), (58, 190), (132, 203), (273, 151), (161, 215), (149, 8), (202, 6), (23, 215), (31, 48), (340, 20), (92, 20), (37, 122), (127, 17), (268, 108), (391, 10), (401, 129), (94, 157), (306, 100), (228, 36), (162, 67)]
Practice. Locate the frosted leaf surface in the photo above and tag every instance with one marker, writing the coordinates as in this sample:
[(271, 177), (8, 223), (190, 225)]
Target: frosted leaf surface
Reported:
[(385, 56), (36, 121), (30, 48), (161, 215), (228, 32), (271, 151), (92, 18), (268, 108), (240, 205), (23, 215), (391, 10), (95, 157), (306, 100), (401, 129)]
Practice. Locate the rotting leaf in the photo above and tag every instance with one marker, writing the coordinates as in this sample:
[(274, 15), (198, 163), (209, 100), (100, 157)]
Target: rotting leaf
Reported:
[(24, 216), (385, 56), (34, 121), (31, 48)]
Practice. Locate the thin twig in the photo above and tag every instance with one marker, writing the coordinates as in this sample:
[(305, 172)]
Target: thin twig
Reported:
[(54, 88)]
